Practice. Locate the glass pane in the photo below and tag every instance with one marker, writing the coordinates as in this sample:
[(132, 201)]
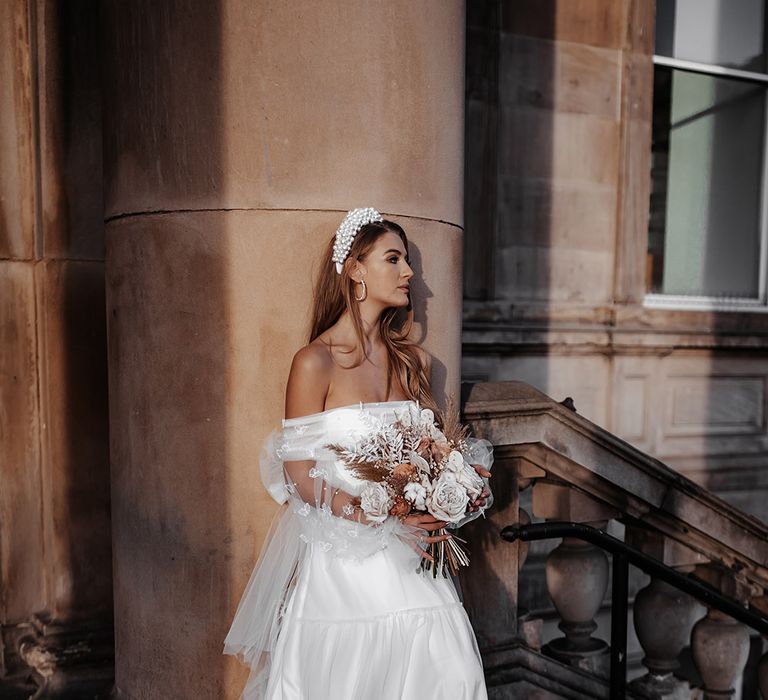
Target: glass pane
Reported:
[(727, 33), (706, 193)]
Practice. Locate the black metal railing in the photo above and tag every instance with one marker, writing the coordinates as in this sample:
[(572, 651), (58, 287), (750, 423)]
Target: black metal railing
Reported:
[(623, 555)]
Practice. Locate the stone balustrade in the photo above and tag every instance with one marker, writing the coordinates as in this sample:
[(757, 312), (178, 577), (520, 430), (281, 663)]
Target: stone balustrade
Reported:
[(581, 473)]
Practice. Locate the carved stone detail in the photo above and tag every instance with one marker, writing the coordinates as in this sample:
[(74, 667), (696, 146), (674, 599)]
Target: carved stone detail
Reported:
[(664, 617), (577, 578), (720, 647)]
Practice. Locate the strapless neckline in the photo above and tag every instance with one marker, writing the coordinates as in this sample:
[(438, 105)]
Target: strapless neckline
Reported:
[(351, 406)]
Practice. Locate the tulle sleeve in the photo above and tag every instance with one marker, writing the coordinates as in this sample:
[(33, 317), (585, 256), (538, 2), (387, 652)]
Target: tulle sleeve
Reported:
[(480, 452), (318, 508)]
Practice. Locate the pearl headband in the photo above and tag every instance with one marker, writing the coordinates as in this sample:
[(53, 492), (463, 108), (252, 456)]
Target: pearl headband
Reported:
[(345, 234)]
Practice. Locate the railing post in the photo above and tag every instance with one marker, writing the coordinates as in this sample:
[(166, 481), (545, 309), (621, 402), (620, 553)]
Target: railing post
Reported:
[(577, 578), (720, 644), (619, 594), (663, 618), (720, 647)]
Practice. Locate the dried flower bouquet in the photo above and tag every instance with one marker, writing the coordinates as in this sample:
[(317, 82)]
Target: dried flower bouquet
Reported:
[(413, 466)]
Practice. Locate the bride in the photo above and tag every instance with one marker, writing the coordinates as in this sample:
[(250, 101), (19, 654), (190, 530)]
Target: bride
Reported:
[(338, 606)]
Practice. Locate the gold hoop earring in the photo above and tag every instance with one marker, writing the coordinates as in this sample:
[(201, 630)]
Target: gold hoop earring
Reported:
[(365, 292)]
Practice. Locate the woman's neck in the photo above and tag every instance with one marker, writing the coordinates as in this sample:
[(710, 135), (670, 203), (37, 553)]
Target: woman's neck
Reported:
[(371, 330)]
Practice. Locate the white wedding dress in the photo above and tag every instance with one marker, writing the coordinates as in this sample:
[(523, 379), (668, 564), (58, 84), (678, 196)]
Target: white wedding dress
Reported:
[(338, 610)]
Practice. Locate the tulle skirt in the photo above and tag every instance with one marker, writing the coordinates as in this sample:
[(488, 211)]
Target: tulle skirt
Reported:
[(373, 630)]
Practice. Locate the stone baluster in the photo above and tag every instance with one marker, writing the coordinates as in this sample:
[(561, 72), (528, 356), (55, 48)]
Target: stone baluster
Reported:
[(720, 644), (720, 647), (577, 577), (663, 616)]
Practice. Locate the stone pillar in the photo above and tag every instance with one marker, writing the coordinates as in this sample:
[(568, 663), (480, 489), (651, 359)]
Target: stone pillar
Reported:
[(55, 544), (237, 135)]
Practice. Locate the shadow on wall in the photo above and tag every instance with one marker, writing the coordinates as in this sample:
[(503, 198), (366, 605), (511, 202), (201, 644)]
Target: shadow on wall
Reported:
[(169, 319), (509, 182)]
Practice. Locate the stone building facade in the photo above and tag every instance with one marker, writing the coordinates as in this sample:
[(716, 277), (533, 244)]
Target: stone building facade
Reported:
[(561, 282), (166, 170)]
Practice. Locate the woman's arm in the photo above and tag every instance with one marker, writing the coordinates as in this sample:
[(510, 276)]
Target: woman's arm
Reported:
[(308, 382), (307, 388)]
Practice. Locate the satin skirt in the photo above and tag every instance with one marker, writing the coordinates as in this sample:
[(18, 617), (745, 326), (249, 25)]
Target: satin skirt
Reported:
[(374, 630)]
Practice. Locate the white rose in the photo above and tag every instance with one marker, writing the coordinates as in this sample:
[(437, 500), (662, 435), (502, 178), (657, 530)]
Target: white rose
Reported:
[(448, 500), (419, 462), (455, 462), (375, 502), (415, 493), (470, 480), (437, 435)]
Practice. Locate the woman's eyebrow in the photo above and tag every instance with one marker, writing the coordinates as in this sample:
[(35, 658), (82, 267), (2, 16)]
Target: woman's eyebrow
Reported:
[(394, 250)]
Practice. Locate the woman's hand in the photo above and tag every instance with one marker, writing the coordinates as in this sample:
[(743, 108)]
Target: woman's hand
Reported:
[(425, 521), (428, 523), (479, 502)]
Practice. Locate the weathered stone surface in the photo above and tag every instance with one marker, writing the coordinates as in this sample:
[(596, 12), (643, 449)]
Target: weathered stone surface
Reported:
[(274, 127), (75, 445), (587, 78), (558, 146), (22, 564), (571, 448), (517, 673), (205, 312), (17, 192), (596, 22), (489, 584), (70, 130)]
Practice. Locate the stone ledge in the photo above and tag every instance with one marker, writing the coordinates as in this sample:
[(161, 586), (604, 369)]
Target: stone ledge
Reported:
[(530, 427), (493, 325), (517, 672)]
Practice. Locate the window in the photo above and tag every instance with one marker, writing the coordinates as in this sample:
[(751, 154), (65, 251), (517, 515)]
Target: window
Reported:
[(708, 222)]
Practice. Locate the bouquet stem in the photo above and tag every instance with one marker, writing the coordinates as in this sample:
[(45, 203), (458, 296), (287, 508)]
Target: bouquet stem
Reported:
[(447, 554)]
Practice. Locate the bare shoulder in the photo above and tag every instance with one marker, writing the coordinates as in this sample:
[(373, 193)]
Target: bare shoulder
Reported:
[(308, 381), (312, 358)]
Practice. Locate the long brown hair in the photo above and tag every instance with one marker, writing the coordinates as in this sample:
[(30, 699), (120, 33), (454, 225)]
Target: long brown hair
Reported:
[(335, 293)]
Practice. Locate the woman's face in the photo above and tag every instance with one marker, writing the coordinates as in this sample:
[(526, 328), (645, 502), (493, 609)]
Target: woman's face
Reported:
[(386, 271)]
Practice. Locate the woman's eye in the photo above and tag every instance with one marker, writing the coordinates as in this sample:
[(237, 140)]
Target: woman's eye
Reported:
[(393, 259)]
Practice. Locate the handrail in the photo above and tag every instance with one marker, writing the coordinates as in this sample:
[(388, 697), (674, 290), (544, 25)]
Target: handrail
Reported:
[(624, 554), (547, 440)]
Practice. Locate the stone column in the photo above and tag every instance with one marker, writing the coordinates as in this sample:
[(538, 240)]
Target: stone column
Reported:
[(55, 560), (237, 135)]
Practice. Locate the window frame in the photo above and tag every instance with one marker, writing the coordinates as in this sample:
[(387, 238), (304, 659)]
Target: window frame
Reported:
[(758, 303)]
